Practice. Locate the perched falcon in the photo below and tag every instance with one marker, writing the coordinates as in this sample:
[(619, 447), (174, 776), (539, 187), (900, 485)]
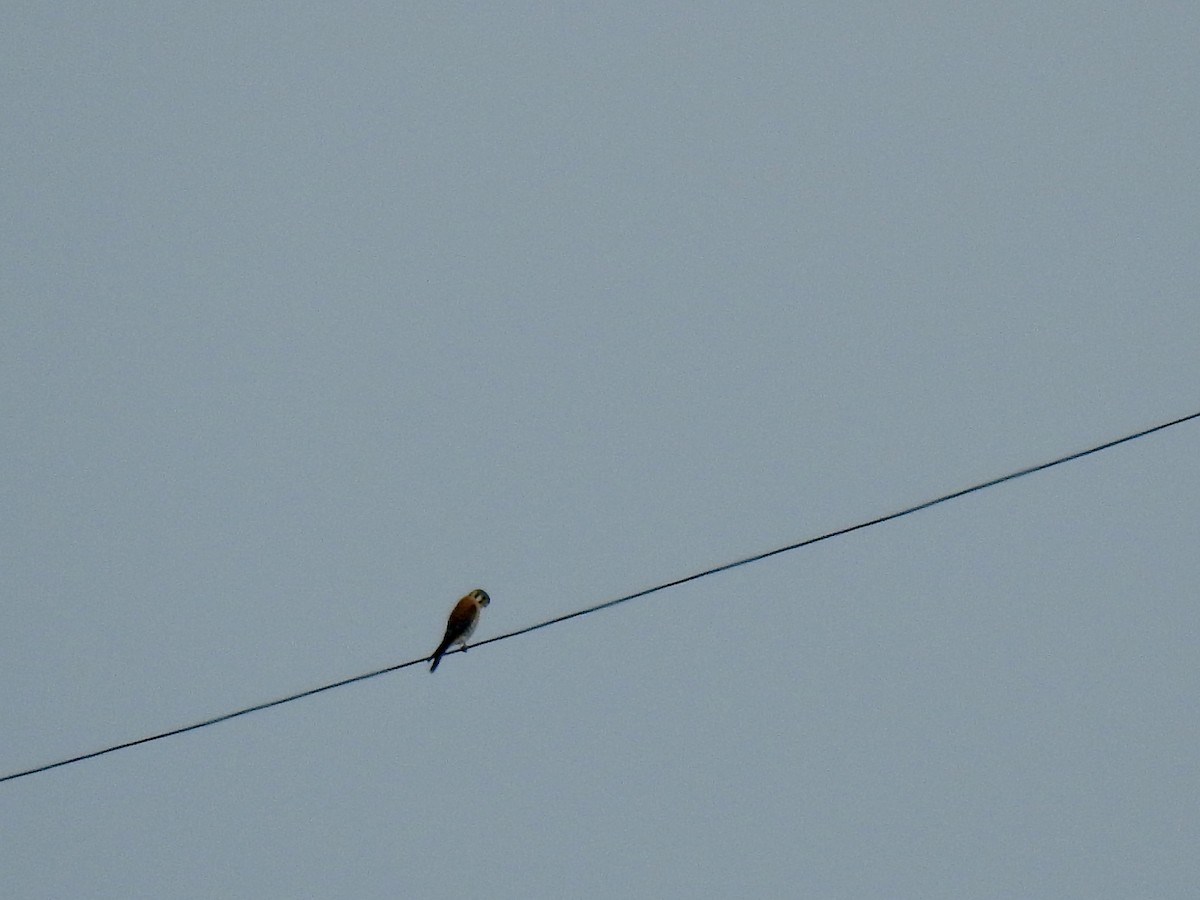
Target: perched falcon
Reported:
[(463, 619)]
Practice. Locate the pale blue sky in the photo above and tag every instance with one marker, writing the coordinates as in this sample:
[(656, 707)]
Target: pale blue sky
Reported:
[(314, 319)]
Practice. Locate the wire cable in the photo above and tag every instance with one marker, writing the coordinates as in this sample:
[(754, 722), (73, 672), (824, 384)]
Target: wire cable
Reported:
[(610, 603)]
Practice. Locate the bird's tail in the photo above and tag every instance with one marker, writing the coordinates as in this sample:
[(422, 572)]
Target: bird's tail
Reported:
[(437, 655)]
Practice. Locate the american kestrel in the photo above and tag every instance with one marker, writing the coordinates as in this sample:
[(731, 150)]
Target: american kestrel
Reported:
[(461, 624)]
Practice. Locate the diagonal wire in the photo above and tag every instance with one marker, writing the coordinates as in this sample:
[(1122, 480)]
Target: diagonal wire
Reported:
[(839, 532), (610, 603)]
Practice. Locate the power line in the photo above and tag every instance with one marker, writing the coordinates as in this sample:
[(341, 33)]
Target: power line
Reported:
[(591, 609)]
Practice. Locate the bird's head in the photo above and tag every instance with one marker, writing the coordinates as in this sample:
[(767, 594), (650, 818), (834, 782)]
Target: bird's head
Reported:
[(481, 596)]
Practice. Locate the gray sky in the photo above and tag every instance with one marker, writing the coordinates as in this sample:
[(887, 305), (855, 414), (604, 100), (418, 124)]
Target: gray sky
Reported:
[(314, 319)]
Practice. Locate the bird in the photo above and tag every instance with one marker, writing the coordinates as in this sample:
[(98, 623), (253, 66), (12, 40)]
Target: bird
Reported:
[(461, 624)]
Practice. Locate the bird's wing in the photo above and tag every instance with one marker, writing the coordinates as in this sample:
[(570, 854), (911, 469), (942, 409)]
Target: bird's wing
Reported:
[(461, 619)]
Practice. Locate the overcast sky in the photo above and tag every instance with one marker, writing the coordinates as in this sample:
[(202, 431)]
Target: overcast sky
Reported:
[(316, 317)]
